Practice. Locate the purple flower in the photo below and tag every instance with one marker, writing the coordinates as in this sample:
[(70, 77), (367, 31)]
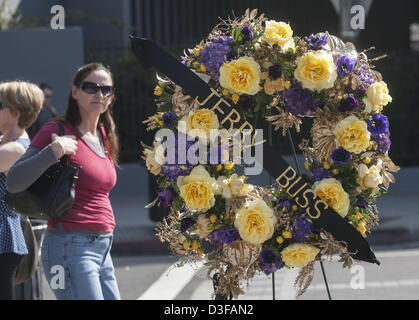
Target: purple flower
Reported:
[(341, 156), (383, 142), (301, 228), (348, 104), (275, 71), (270, 262), (283, 203), (378, 125), (321, 173), (186, 223), (366, 79), (317, 41), (213, 56), (212, 237), (166, 197), (184, 63), (298, 101), (227, 236), (345, 65), (247, 33), (169, 119), (361, 202), (177, 163)]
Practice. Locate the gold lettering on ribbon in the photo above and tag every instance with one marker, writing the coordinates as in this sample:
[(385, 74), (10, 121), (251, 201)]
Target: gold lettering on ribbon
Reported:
[(287, 178), (316, 207), (298, 191)]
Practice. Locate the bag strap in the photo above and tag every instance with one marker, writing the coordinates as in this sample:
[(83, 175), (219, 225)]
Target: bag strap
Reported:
[(62, 131)]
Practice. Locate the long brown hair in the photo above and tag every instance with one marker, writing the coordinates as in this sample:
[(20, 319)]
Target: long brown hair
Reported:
[(72, 114)]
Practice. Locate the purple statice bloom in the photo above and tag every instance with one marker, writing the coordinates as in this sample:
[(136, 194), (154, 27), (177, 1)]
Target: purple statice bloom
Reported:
[(184, 63), (212, 237), (186, 223), (227, 236), (317, 41), (214, 55), (166, 197), (270, 262), (361, 202), (341, 156), (247, 33), (169, 119), (298, 101), (348, 104), (173, 168), (321, 173), (378, 125), (275, 72), (283, 203), (301, 228), (366, 79), (383, 142), (345, 65)]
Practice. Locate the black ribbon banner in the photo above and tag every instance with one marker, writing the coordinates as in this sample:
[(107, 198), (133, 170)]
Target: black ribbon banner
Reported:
[(151, 55)]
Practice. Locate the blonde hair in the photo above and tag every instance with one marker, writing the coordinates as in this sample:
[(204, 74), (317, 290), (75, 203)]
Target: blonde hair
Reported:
[(23, 97)]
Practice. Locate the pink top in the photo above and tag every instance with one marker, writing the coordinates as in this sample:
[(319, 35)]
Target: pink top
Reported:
[(92, 208)]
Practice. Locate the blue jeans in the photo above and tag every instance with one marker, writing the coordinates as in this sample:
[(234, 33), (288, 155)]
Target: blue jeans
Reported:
[(79, 267)]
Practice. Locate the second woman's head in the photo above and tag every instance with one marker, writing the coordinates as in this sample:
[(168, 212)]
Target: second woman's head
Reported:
[(93, 95)]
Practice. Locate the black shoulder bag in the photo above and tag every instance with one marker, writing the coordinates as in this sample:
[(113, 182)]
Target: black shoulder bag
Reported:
[(51, 196)]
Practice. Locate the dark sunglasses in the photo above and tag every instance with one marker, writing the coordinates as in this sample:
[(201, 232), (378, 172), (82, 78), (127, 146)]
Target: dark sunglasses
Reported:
[(92, 88)]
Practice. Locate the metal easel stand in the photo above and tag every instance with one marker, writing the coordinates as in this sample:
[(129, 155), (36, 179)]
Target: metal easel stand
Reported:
[(299, 172)]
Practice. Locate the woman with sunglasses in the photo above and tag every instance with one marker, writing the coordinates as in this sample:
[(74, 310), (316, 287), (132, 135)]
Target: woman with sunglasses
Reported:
[(20, 103), (76, 250)]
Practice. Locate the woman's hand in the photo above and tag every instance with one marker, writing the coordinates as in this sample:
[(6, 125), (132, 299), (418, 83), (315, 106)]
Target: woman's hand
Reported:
[(63, 145)]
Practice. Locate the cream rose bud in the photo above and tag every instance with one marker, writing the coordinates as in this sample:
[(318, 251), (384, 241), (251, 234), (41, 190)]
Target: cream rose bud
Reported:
[(233, 187), (241, 76), (378, 94), (316, 70), (255, 222), (298, 255), (331, 191), (352, 134), (154, 158), (202, 226), (198, 189), (369, 177), (279, 33)]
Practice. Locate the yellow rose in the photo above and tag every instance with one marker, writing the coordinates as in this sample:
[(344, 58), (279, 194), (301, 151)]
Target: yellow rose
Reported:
[(369, 177), (255, 222), (233, 187), (298, 255), (202, 226), (202, 119), (378, 94), (316, 70), (279, 33), (352, 134), (154, 158), (331, 191), (241, 76), (198, 189)]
